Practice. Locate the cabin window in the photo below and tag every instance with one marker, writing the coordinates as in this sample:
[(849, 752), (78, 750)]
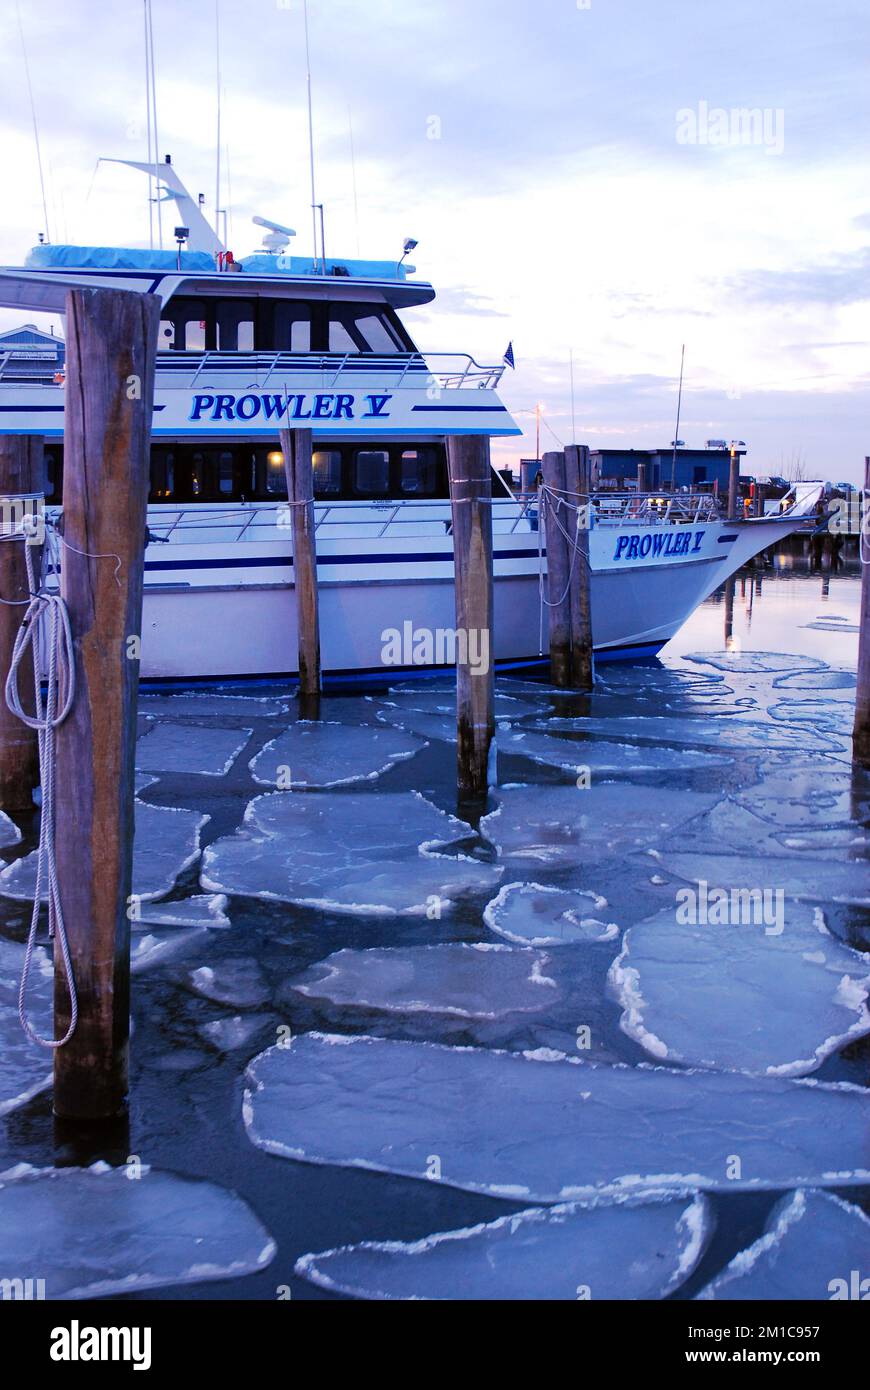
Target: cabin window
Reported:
[(273, 475), (326, 467), (291, 328), (371, 472), (226, 473), (235, 325), (362, 328), (53, 477), (419, 472), (166, 335), (162, 475)]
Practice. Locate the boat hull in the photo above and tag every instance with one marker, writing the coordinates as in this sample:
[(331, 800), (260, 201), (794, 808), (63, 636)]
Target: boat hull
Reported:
[(386, 615)]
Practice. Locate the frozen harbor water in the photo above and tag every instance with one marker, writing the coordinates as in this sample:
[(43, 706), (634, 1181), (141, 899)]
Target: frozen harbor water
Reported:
[(635, 1079)]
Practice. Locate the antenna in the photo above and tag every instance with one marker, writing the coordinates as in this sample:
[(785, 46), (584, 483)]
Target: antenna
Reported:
[(353, 178), (278, 236), (311, 136), (149, 125), (33, 116), (151, 78), (217, 178), (677, 430)]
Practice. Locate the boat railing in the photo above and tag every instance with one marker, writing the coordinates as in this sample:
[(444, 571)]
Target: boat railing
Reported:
[(258, 521), (653, 509), (441, 370)]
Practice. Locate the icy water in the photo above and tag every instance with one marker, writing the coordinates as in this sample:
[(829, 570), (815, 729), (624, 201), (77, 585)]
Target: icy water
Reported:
[(382, 1051)]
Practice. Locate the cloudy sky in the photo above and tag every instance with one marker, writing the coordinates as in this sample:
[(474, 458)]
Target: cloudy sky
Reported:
[(578, 176)]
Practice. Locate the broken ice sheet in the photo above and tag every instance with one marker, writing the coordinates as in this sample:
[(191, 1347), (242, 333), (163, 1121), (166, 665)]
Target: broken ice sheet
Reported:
[(159, 1231), (602, 755), (228, 1034), (524, 1128), (331, 755), (443, 701), (569, 825), (469, 981), (537, 915), (165, 843), (756, 663), (814, 1247), (238, 982), (207, 705), (816, 680), (813, 880), (25, 1069), (9, 832), (206, 750), (770, 1000), (155, 948), (202, 910), (411, 885), (827, 714), (725, 730), (291, 842), (428, 726), (626, 1248)]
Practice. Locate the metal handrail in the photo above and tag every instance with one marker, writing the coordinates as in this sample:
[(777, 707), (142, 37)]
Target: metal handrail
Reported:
[(172, 365)]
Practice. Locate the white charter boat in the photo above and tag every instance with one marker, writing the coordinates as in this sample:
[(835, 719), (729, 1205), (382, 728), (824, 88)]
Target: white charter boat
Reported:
[(276, 340)]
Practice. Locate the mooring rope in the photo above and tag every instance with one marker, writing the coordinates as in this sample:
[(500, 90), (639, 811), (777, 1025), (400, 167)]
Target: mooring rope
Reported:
[(45, 626)]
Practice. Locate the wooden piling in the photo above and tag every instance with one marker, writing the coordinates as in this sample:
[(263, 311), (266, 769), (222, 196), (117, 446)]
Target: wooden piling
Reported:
[(111, 342), (558, 568), (470, 500), (577, 487), (861, 729), (296, 448), (21, 471), (733, 485)]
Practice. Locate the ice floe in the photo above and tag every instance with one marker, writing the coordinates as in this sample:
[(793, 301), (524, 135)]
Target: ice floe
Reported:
[(814, 880), (535, 914), (331, 755), (166, 842), (240, 983), (155, 948), (566, 826), (815, 1247), (317, 847), (543, 1130), (731, 731), (89, 1232), (626, 1248), (602, 755), (25, 1069), (771, 999), (202, 910), (206, 705), (756, 663), (469, 981), (403, 886), (9, 832), (816, 680), (208, 751), (229, 1034)]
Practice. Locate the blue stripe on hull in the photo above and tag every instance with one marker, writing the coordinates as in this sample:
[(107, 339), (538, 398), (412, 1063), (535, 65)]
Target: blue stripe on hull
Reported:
[(381, 678)]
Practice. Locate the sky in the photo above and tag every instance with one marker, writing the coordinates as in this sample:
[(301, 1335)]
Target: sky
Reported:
[(578, 175)]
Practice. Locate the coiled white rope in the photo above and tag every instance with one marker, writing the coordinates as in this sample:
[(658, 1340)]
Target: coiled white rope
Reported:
[(45, 628)]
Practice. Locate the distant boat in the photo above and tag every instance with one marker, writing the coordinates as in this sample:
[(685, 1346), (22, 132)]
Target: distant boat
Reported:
[(278, 340)]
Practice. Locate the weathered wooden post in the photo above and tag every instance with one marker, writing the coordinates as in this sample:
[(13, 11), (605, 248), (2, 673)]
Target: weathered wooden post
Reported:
[(558, 567), (471, 506), (861, 729), (577, 487), (641, 477), (21, 473), (111, 341), (733, 485), (296, 448)]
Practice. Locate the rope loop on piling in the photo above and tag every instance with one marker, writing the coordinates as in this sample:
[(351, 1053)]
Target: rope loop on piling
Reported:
[(45, 632)]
